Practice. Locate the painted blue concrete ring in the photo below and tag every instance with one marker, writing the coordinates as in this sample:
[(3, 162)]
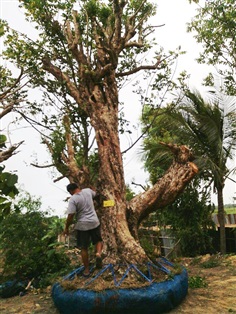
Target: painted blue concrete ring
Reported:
[(155, 298)]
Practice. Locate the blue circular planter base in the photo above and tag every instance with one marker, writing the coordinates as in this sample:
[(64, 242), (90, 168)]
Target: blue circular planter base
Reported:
[(154, 298)]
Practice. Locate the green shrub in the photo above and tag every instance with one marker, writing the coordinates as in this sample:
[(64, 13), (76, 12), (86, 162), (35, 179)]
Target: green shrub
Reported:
[(29, 246)]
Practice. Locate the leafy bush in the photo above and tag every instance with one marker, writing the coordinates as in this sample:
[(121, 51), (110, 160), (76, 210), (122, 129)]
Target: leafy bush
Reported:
[(8, 190), (29, 246)]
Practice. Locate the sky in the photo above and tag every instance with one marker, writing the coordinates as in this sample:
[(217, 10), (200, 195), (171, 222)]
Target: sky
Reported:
[(39, 182)]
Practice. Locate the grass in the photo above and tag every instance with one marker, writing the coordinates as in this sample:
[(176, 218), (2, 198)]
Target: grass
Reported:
[(211, 263), (228, 210), (196, 282)]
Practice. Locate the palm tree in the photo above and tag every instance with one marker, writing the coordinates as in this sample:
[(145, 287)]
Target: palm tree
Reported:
[(209, 127)]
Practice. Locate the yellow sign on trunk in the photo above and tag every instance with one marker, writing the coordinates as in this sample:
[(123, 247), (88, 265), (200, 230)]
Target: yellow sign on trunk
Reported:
[(108, 203)]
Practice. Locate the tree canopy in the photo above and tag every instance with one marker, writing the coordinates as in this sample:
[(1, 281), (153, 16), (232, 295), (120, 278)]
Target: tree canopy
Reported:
[(64, 57)]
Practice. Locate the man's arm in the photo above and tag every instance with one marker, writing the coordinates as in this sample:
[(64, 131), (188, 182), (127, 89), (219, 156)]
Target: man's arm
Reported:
[(69, 221)]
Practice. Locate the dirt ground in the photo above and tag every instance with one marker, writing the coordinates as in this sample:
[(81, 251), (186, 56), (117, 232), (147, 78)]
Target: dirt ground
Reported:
[(212, 281)]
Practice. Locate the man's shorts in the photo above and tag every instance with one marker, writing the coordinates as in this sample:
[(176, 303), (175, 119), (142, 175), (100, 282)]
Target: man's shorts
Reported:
[(84, 238)]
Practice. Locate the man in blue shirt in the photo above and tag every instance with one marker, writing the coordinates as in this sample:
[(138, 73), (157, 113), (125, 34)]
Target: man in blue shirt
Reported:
[(87, 224)]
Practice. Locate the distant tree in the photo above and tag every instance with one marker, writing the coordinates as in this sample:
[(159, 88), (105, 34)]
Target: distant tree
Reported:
[(25, 202), (214, 27)]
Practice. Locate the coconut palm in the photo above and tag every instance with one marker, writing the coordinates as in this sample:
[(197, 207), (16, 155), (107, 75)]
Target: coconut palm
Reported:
[(209, 127)]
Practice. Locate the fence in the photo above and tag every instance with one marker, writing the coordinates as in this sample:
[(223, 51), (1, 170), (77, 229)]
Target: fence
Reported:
[(230, 220)]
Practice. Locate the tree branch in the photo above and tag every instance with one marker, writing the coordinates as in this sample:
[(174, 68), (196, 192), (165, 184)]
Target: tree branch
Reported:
[(167, 189), (118, 8), (76, 174), (4, 155), (3, 95), (62, 77), (140, 68), (42, 166), (6, 110)]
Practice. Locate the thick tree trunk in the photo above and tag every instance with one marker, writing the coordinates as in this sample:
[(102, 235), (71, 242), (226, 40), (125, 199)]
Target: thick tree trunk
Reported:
[(120, 222), (119, 243), (221, 216)]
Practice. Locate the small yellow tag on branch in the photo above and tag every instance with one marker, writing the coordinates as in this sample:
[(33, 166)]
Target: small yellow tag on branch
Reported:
[(108, 203)]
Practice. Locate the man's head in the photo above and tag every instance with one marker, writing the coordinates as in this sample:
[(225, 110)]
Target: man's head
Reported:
[(71, 188)]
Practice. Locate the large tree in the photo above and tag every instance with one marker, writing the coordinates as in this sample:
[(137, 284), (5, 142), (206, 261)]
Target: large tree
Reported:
[(84, 51)]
